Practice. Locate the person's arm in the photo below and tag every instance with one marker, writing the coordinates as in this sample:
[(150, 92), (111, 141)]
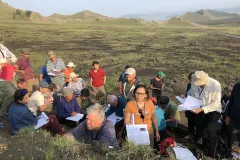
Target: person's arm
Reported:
[(41, 108), (61, 111), (49, 66), (109, 112), (155, 123), (104, 80), (90, 78), (41, 77), (80, 130), (127, 115), (29, 119), (151, 85), (163, 85), (77, 107)]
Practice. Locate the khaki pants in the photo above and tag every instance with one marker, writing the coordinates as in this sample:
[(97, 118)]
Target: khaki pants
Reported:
[(30, 83), (99, 89)]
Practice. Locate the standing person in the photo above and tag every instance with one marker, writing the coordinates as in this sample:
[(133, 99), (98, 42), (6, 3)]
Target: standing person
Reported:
[(122, 79), (209, 113), (20, 116), (97, 78), (143, 110), (44, 75), (24, 69), (68, 71), (130, 84), (157, 85), (56, 67), (233, 109)]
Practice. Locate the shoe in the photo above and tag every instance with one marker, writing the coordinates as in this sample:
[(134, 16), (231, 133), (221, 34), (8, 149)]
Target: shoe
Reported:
[(199, 141)]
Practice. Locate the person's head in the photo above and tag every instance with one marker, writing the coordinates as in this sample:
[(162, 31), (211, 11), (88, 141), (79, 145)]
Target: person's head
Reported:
[(200, 78), (95, 117), (52, 87), (25, 53), (191, 77), (52, 56), (112, 100), (95, 65), (163, 102), (160, 74), (21, 96), (230, 88), (130, 74), (21, 83), (68, 93), (100, 97), (43, 87), (74, 77), (85, 93), (71, 66), (140, 93)]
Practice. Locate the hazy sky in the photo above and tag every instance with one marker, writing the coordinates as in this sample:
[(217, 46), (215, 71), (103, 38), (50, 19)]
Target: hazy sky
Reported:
[(117, 8)]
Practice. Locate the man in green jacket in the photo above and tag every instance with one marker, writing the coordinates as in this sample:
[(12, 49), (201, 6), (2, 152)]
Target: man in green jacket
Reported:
[(7, 90)]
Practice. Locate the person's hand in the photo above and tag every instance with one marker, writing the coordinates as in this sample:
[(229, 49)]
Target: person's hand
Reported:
[(49, 100), (23, 72), (182, 96), (227, 120), (74, 113), (157, 136), (197, 111)]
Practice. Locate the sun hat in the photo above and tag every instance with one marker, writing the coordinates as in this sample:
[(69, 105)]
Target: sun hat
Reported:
[(130, 71), (51, 54), (200, 78), (72, 75), (66, 91), (71, 64)]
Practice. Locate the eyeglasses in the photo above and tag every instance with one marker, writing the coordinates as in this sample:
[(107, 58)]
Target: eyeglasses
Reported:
[(141, 114), (139, 94)]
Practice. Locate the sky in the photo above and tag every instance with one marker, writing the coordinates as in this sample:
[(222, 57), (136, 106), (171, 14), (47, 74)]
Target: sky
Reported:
[(118, 8)]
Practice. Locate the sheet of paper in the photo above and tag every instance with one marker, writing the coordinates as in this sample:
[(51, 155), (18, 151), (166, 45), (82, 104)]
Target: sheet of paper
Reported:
[(181, 100), (183, 154), (51, 74), (138, 134), (236, 155), (114, 119), (75, 118), (43, 119), (190, 103)]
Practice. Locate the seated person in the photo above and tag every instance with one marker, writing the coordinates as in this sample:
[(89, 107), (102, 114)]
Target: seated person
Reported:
[(77, 84), (84, 100), (99, 131), (160, 119), (172, 115), (20, 116), (37, 103), (226, 97), (21, 84), (117, 105), (67, 106)]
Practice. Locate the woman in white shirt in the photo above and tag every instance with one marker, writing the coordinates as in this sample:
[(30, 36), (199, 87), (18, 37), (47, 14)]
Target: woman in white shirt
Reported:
[(77, 84)]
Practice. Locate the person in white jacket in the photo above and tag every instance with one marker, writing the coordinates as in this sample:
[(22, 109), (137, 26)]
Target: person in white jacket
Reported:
[(208, 115), (6, 54), (77, 84)]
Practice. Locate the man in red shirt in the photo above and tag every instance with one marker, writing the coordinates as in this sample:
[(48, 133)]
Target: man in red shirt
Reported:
[(97, 78), (24, 69)]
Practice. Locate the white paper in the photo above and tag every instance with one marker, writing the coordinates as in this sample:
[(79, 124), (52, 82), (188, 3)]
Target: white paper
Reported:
[(181, 100), (43, 119), (114, 119), (51, 74), (75, 118), (190, 103), (236, 155), (132, 121), (183, 154), (138, 134)]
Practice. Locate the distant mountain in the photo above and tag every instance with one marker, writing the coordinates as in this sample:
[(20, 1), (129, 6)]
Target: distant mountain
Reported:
[(160, 16), (231, 9), (177, 22), (84, 16), (209, 16)]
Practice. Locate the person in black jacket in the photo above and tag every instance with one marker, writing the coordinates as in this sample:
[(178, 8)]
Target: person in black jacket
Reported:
[(233, 111)]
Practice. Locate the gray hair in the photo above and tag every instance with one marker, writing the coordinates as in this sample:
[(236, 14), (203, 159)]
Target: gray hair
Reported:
[(111, 99), (98, 110)]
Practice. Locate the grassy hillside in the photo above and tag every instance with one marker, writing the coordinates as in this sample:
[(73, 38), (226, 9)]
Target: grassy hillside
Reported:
[(177, 22), (6, 11), (85, 15), (194, 17), (215, 15)]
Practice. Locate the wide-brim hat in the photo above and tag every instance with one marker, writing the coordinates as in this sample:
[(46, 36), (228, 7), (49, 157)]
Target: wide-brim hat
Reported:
[(70, 64), (66, 91), (72, 75), (51, 54), (200, 78)]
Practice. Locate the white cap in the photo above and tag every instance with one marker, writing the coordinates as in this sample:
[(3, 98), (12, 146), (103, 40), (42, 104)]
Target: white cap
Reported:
[(130, 71), (72, 75), (70, 64)]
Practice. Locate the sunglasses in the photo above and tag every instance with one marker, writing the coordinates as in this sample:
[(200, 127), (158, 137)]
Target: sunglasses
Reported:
[(141, 114)]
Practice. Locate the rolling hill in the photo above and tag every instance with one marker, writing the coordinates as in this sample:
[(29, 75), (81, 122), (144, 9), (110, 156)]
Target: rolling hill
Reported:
[(82, 16), (209, 17), (179, 23)]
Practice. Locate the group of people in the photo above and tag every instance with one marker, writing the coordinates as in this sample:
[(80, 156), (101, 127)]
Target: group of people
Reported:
[(61, 93)]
